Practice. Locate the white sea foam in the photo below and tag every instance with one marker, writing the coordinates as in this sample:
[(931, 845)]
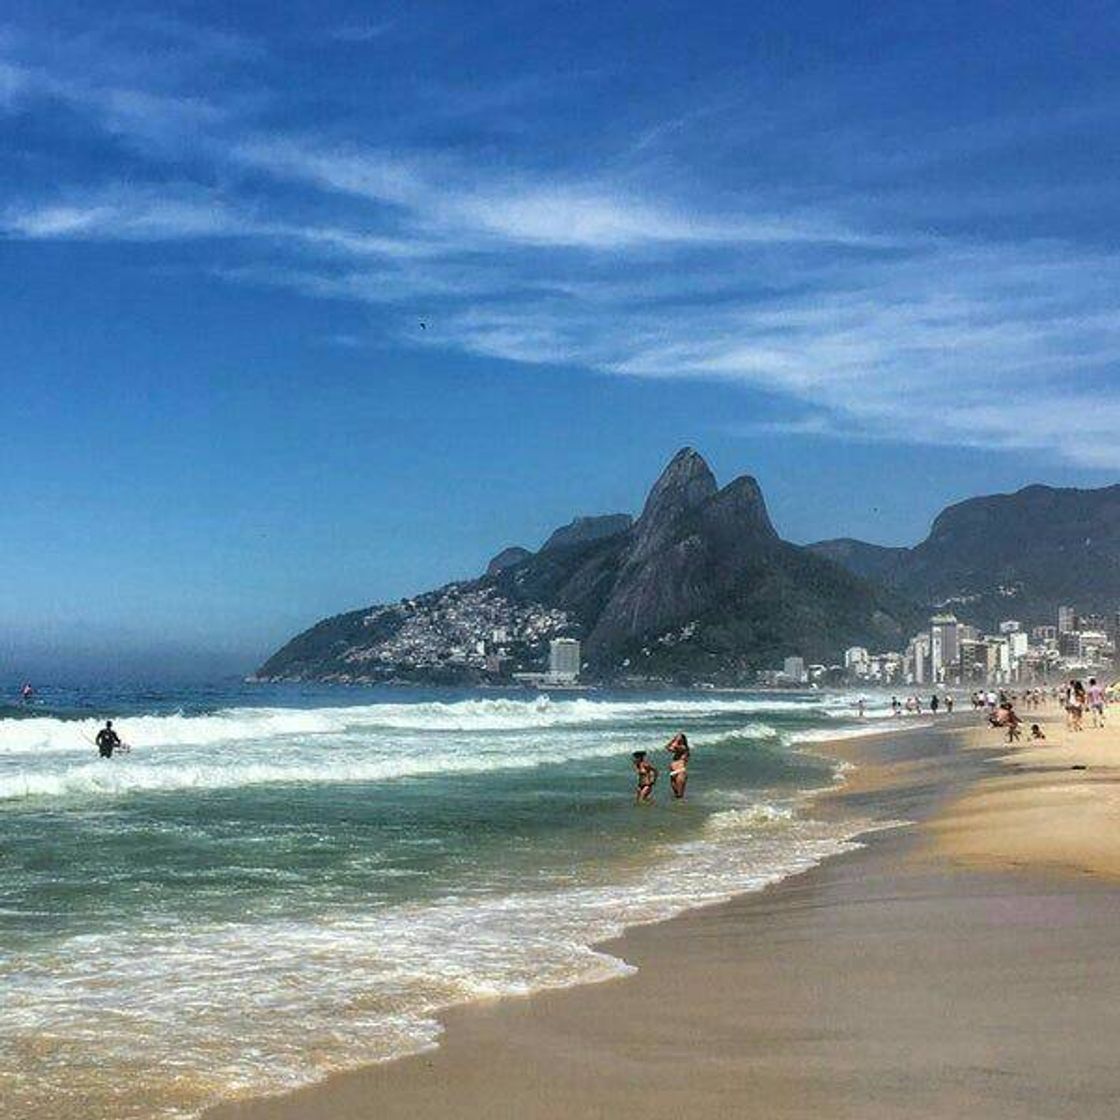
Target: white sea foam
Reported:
[(233, 725), (827, 734), (372, 743), (268, 1002), (268, 1005)]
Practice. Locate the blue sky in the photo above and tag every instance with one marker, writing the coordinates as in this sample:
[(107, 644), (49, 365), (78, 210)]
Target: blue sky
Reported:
[(866, 253)]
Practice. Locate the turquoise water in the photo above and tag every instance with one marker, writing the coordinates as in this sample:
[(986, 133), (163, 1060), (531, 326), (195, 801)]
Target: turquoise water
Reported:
[(276, 882)]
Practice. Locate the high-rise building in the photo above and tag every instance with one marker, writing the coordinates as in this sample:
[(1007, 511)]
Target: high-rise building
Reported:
[(1067, 620), (794, 670), (917, 659), (564, 659), (973, 661), (944, 645)]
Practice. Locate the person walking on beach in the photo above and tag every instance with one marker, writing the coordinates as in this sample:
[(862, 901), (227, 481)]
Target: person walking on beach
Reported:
[(1012, 720), (1096, 702), (1075, 704), (678, 766), (934, 703), (948, 705), (108, 740), (647, 778)]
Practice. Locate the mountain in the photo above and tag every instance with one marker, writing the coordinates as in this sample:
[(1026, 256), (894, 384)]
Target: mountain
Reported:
[(868, 561), (507, 558), (584, 530), (699, 587), (1016, 555)]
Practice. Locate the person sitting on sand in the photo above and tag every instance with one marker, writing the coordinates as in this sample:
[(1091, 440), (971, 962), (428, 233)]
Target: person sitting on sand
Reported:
[(1036, 732), (678, 767), (647, 778)]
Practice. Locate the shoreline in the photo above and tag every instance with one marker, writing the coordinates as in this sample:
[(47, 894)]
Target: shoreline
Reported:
[(914, 775)]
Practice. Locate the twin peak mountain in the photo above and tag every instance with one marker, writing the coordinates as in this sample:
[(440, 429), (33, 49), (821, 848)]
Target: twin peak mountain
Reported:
[(701, 588)]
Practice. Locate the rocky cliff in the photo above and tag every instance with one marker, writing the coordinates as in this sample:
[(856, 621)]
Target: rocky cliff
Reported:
[(699, 587)]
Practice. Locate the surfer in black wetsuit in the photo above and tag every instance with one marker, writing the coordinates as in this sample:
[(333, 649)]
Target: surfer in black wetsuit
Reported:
[(107, 740)]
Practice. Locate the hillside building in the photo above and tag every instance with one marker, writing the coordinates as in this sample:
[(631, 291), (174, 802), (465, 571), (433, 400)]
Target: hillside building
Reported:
[(564, 659)]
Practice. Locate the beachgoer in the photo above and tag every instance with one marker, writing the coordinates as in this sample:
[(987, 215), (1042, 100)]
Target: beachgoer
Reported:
[(861, 707), (934, 703), (948, 705), (108, 740), (1075, 704), (26, 692), (678, 766), (647, 777), (1012, 721), (896, 706), (1096, 702), (1036, 732)]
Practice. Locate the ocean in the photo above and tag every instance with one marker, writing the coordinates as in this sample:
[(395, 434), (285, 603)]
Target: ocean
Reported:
[(282, 881)]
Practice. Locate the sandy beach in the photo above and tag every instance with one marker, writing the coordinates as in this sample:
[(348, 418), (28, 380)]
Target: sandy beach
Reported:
[(963, 965)]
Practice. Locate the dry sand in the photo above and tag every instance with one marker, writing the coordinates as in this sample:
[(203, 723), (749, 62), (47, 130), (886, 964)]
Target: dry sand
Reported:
[(920, 977), (1056, 803)]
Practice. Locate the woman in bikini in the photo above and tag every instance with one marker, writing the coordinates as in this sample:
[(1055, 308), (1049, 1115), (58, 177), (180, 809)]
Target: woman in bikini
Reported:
[(647, 777), (678, 766)]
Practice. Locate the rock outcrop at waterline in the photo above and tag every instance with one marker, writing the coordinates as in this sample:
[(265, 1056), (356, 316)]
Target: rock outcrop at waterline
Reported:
[(699, 587)]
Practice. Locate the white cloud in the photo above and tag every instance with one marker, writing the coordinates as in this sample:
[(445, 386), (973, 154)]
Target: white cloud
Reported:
[(129, 215), (447, 197), (922, 339)]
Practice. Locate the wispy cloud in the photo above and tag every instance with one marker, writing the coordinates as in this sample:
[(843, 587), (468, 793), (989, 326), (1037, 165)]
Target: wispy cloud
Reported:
[(864, 334), (122, 214), (587, 215)]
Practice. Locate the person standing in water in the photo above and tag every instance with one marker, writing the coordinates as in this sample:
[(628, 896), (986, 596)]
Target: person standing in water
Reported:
[(108, 740), (678, 766), (647, 778)]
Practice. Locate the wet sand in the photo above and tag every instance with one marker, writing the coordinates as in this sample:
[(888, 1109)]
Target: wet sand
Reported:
[(918, 977)]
